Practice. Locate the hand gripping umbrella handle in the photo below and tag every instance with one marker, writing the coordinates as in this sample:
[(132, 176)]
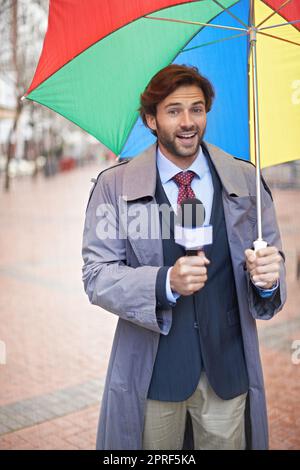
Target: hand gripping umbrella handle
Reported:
[(258, 244)]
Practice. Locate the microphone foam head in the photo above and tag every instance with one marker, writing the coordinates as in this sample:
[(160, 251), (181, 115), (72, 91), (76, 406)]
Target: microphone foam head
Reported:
[(191, 213)]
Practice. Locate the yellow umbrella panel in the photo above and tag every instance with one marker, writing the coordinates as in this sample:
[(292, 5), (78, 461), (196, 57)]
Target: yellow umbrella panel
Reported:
[(278, 82)]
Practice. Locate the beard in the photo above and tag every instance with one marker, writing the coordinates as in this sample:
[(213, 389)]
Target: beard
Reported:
[(177, 148)]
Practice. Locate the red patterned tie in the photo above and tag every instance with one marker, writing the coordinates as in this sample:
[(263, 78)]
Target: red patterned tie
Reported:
[(183, 181)]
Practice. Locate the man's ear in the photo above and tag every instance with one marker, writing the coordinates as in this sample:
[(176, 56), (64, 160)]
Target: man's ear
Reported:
[(151, 121)]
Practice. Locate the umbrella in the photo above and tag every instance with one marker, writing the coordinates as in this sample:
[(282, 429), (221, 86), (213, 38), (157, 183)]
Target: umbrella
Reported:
[(98, 56)]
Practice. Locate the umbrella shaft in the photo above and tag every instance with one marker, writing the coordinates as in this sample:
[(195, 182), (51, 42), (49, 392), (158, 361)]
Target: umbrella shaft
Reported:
[(256, 133)]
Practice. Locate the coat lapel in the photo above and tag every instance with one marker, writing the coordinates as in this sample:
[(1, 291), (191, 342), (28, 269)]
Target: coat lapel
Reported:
[(140, 176), (238, 202), (138, 192), (232, 177)]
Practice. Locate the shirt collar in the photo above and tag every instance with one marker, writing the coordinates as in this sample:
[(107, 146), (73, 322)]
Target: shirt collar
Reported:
[(167, 169)]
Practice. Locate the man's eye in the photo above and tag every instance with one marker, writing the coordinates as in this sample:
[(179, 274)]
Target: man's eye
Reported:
[(198, 110), (173, 112)]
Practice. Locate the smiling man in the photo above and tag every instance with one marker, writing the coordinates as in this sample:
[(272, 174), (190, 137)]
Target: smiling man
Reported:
[(185, 367), (180, 123)]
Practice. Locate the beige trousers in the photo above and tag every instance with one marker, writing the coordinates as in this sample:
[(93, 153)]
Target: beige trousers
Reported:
[(217, 423)]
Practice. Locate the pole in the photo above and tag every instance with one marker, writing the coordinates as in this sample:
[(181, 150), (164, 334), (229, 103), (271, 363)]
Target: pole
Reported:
[(256, 127), (260, 242)]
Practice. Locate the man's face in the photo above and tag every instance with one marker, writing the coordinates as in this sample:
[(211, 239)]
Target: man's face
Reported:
[(180, 124)]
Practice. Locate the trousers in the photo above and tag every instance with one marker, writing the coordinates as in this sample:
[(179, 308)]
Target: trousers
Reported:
[(217, 424)]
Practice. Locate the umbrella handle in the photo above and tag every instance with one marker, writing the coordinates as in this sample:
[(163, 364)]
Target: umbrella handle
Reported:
[(258, 244)]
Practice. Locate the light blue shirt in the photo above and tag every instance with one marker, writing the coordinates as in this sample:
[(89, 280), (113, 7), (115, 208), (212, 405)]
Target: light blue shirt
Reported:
[(201, 185)]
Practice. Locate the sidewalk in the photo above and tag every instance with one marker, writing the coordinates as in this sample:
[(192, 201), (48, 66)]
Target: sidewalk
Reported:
[(58, 344)]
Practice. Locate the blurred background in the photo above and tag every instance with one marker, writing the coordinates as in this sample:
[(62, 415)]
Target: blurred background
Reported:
[(54, 346)]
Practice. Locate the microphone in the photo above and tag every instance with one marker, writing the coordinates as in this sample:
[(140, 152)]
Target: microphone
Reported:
[(189, 230)]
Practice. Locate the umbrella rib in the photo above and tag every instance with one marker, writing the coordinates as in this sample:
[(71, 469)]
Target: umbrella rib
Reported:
[(274, 12), (280, 39), (231, 14), (213, 42), (278, 25), (194, 23)]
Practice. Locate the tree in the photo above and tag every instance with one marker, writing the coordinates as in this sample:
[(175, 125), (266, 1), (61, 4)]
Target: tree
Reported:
[(22, 27)]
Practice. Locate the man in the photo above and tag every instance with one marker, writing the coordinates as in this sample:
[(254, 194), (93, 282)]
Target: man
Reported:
[(185, 366)]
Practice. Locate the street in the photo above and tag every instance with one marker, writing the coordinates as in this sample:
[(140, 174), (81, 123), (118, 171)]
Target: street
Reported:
[(57, 344)]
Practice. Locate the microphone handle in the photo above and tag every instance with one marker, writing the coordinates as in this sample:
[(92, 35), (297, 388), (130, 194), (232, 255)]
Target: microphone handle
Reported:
[(192, 252)]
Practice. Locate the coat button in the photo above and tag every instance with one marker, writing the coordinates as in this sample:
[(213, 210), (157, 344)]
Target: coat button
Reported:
[(196, 325)]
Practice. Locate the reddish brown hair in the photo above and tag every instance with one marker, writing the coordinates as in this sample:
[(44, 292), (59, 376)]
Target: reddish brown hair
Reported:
[(168, 80)]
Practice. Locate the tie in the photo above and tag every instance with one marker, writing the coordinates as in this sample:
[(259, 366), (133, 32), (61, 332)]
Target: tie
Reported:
[(183, 181)]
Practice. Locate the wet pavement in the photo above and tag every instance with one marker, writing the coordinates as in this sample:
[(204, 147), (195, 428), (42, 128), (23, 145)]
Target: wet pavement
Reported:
[(57, 344)]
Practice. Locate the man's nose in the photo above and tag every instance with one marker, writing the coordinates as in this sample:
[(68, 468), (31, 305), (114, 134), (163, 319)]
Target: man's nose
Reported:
[(186, 119)]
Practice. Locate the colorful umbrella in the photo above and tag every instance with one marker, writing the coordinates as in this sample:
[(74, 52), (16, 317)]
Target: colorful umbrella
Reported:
[(99, 55)]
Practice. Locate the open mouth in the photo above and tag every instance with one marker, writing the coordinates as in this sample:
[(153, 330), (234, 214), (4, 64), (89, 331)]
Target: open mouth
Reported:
[(188, 137)]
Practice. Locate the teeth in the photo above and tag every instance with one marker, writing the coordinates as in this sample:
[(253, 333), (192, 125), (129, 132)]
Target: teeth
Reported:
[(187, 135)]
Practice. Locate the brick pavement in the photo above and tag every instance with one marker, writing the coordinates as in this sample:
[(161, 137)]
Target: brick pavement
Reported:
[(58, 345), (282, 376)]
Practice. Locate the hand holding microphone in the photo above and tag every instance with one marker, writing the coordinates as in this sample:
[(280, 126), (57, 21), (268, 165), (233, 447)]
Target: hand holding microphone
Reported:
[(189, 273)]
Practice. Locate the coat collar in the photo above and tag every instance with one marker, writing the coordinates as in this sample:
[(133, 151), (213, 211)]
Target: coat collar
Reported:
[(140, 173)]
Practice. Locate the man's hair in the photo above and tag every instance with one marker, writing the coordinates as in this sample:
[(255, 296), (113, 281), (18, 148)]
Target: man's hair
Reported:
[(166, 81)]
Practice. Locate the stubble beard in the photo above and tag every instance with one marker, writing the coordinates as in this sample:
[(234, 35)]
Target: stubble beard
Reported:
[(174, 148)]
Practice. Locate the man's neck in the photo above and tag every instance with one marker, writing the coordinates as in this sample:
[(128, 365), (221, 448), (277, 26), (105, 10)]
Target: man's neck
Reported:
[(181, 162)]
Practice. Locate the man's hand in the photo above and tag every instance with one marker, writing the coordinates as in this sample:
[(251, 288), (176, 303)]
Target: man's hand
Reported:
[(189, 274), (263, 266)]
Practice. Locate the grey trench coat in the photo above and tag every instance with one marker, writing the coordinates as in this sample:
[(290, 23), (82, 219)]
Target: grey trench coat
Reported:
[(119, 275)]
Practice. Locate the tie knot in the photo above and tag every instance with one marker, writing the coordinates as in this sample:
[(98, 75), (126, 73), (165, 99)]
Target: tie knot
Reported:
[(184, 178)]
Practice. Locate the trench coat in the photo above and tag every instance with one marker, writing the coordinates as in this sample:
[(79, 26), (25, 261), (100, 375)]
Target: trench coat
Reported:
[(119, 275)]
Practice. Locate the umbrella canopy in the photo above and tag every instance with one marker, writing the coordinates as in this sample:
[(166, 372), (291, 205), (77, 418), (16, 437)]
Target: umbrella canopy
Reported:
[(98, 56)]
